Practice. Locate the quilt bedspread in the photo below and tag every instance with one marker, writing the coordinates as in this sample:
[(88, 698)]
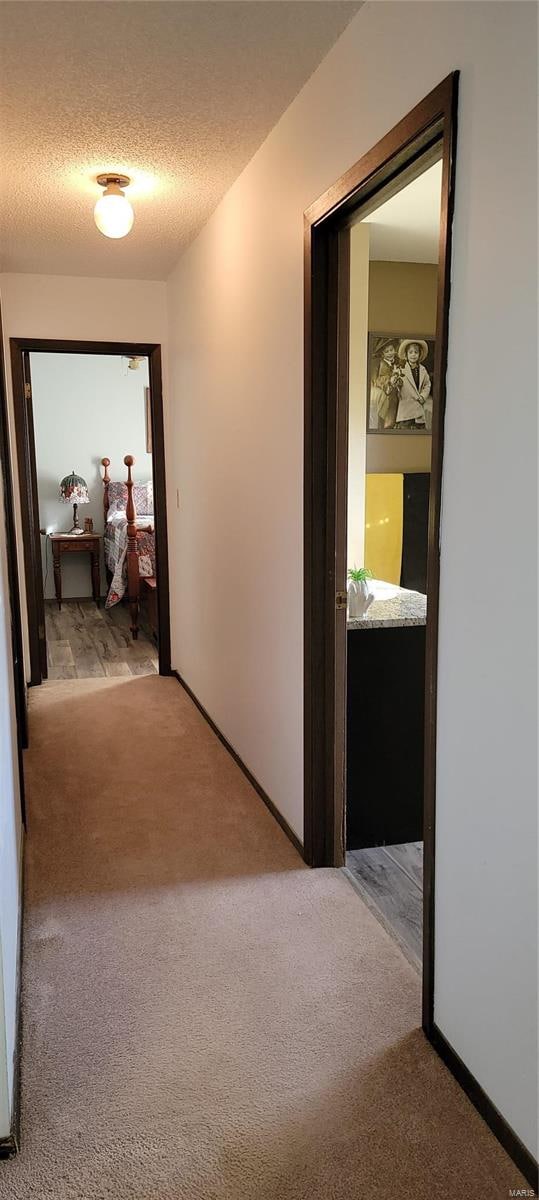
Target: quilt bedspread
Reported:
[(115, 549)]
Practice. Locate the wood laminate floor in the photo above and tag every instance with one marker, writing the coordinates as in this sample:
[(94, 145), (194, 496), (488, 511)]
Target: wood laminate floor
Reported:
[(390, 880), (84, 642)]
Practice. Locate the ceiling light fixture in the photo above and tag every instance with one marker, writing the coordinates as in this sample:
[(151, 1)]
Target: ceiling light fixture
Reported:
[(113, 214)]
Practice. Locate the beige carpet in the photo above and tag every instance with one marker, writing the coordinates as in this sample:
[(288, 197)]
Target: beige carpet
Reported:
[(205, 1018)]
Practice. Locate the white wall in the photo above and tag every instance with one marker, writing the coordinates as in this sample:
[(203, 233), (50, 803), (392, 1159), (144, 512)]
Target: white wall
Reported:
[(236, 313), (62, 306), (85, 407), (10, 846)]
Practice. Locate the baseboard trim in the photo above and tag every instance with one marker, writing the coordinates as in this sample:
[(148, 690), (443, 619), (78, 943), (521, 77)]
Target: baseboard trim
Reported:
[(507, 1137), (11, 1145), (240, 763)]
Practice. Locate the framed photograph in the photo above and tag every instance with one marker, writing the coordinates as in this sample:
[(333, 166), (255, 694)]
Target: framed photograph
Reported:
[(399, 383), (148, 418)]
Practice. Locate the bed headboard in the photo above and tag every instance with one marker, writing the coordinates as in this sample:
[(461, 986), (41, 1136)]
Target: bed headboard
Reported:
[(116, 492)]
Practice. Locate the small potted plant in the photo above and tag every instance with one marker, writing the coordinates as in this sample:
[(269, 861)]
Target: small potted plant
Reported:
[(360, 597)]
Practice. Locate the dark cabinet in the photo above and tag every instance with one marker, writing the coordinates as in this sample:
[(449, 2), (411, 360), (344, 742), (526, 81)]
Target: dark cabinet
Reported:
[(385, 735)]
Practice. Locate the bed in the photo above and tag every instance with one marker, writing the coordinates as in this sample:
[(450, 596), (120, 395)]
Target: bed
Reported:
[(128, 538)]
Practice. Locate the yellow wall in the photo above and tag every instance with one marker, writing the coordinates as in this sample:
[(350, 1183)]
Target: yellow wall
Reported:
[(383, 526), (402, 299)]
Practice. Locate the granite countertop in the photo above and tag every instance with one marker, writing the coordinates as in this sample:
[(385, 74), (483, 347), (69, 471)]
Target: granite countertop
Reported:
[(406, 608)]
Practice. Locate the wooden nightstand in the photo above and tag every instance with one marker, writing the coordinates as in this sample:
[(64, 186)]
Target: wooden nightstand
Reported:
[(75, 543)]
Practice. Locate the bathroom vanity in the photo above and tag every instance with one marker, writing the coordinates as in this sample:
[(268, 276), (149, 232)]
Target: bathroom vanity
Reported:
[(385, 719)]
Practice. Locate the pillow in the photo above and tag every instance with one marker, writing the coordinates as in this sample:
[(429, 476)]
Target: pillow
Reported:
[(117, 495), (115, 507), (142, 497)]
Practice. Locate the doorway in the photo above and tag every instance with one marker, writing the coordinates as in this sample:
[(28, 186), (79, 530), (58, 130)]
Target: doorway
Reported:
[(426, 136), (393, 291), (96, 583)]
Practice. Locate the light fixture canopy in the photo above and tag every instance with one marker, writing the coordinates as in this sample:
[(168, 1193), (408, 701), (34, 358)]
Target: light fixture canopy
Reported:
[(113, 214)]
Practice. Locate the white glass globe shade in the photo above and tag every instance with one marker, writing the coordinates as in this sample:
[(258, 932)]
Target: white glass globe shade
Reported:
[(113, 214)]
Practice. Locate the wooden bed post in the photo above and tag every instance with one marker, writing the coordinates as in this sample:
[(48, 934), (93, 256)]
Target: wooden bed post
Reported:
[(133, 581), (105, 462)]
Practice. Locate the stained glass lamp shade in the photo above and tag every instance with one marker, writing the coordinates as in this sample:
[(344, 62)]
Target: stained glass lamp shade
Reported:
[(74, 490)]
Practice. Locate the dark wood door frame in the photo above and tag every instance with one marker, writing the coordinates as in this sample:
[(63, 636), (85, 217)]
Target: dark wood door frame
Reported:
[(13, 578), (431, 126), (24, 434), (21, 348)]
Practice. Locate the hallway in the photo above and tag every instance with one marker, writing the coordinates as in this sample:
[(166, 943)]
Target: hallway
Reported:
[(204, 1018)]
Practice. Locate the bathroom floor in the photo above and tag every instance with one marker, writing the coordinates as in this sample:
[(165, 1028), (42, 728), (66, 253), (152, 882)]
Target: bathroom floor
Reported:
[(390, 880)]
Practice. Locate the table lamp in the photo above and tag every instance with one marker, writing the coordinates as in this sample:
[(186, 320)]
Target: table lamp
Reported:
[(74, 490)]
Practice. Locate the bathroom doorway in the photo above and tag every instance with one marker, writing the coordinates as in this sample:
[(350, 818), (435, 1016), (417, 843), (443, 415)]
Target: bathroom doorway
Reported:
[(344, 445), (393, 299)]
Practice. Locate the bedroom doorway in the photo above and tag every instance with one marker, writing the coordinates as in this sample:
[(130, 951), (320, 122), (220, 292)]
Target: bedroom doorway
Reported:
[(94, 529)]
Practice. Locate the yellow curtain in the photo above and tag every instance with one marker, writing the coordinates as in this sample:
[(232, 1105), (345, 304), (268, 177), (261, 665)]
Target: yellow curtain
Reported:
[(383, 526)]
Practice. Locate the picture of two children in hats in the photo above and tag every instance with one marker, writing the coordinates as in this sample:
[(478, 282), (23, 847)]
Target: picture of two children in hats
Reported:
[(400, 384)]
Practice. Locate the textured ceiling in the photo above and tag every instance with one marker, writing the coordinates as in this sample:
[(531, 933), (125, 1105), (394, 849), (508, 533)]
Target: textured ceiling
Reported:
[(177, 95)]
